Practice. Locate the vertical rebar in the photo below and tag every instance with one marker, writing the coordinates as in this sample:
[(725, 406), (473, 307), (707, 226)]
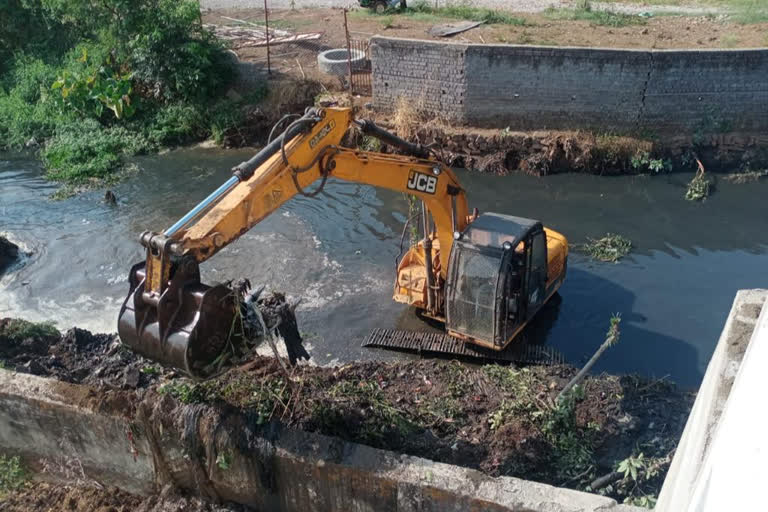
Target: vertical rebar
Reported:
[(349, 52), (266, 29)]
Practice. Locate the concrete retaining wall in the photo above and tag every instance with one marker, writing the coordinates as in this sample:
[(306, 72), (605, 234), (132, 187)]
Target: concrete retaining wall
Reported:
[(79, 435), (530, 87), (687, 471)]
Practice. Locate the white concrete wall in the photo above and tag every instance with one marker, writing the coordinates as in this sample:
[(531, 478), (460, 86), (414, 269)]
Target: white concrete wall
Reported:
[(720, 463)]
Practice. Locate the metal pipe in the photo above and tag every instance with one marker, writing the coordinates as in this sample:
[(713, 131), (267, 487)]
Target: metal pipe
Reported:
[(266, 32), (428, 257), (205, 203), (349, 52)]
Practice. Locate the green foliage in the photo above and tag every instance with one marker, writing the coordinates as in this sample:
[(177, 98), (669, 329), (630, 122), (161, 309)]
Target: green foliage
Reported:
[(21, 121), (639, 471), (467, 12), (87, 93), (183, 391), (12, 474), (150, 370), (26, 28), (571, 444), (369, 143), (610, 248), (698, 188), (642, 162), (599, 17), (109, 79), (160, 41), (224, 460), (82, 151), (19, 329), (387, 21), (177, 123)]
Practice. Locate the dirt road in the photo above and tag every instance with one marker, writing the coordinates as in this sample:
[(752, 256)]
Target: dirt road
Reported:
[(508, 5)]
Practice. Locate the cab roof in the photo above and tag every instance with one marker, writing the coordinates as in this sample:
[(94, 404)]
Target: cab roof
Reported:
[(493, 229)]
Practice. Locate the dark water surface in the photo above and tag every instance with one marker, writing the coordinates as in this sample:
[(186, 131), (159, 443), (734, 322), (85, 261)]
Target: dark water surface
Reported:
[(338, 252)]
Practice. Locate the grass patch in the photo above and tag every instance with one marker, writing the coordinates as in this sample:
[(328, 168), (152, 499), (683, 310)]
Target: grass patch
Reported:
[(12, 474), (730, 41), (20, 329), (610, 248), (423, 11), (602, 18)]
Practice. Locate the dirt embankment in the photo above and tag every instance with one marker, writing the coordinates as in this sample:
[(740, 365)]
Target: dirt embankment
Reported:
[(500, 420), (541, 153), (45, 497)]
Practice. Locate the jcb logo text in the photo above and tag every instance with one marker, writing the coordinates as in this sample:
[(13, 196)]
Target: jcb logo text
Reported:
[(422, 182)]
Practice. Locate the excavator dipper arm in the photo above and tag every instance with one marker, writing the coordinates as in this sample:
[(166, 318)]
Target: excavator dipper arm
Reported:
[(171, 317)]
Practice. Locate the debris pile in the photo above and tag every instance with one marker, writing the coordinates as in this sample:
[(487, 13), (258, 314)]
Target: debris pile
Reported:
[(252, 35)]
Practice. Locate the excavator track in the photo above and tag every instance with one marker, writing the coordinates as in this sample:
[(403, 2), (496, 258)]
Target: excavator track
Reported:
[(441, 343)]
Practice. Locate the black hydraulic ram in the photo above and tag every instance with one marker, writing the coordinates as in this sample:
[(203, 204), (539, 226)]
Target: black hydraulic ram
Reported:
[(372, 129)]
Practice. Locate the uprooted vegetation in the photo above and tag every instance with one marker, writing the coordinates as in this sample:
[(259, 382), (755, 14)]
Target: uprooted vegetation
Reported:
[(500, 420), (12, 475)]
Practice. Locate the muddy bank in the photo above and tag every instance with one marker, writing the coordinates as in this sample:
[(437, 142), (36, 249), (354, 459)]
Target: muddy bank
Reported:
[(44, 497), (500, 420), (76, 356), (541, 153), (285, 97)]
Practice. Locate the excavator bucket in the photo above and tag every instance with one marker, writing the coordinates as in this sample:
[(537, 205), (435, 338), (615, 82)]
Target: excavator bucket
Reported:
[(187, 326)]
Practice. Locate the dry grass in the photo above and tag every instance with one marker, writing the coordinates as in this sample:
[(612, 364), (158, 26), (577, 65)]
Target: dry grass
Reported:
[(406, 117)]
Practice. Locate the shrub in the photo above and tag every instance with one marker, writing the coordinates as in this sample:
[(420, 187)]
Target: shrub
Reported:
[(84, 150)]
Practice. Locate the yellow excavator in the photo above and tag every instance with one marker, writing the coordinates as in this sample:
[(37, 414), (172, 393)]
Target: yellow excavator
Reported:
[(484, 276)]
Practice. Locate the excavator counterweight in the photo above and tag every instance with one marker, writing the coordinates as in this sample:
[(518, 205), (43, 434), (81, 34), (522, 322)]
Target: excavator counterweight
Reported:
[(483, 276)]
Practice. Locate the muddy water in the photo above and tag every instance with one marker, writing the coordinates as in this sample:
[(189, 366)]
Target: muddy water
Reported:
[(339, 252)]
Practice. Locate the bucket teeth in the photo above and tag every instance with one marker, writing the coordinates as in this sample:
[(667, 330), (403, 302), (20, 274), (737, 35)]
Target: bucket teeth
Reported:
[(186, 327)]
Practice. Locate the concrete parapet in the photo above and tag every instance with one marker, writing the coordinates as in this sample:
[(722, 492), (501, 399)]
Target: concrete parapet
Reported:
[(113, 438)]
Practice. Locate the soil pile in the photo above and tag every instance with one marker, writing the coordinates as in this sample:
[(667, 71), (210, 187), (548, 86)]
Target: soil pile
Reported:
[(77, 355), (42, 497), (497, 419), (500, 420)]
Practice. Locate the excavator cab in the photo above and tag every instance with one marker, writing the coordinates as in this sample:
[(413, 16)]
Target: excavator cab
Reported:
[(497, 279)]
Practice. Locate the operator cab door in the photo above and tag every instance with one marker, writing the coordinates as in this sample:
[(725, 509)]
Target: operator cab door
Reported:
[(536, 271)]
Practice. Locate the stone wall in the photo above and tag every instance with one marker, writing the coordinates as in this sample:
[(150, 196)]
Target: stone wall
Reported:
[(529, 87)]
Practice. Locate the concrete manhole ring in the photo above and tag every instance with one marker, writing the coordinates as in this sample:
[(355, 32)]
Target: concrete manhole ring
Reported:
[(336, 62)]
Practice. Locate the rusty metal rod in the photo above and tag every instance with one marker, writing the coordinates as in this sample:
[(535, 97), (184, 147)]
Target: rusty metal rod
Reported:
[(266, 31)]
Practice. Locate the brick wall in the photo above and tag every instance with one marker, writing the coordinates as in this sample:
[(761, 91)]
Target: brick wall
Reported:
[(528, 87)]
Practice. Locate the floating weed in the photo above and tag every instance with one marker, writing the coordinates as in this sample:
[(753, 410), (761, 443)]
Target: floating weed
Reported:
[(699, 188), (610, 248)]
